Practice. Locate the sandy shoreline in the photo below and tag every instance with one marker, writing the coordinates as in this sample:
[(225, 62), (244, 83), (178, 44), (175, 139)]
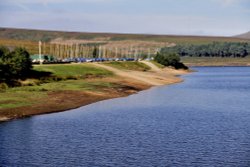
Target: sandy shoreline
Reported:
[(128, 82)]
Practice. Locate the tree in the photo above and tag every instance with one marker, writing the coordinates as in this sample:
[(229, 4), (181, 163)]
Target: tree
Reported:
[(95, 52), (170, 59), (14, 65)]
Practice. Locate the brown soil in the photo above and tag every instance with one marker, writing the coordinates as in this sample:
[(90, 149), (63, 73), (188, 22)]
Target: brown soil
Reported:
[(65, 100)]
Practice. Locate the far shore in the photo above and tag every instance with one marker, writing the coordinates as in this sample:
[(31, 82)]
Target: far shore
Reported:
[(216, 61), (218, 65), (126, 82)]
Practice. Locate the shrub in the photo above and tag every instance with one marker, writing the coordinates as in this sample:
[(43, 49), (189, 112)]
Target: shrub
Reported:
[(170, 60), (3, 87), (14, 65)]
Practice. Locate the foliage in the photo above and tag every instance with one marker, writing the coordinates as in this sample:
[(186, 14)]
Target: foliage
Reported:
[(215, 49), (3, 87), (31, 95), (14, 65), (170, 59), (95, 52)]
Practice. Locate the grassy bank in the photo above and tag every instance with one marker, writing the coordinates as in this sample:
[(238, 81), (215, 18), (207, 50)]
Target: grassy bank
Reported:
[(59, 96), (82, 77), (29, 95), (72, 77), (79, 84), (136, 66), (215, 61), (157, 64), (64, 87)]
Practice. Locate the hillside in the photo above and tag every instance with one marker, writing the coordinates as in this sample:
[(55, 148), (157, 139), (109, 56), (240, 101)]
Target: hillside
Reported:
[(244, 36), (125, 43), (46, 36)]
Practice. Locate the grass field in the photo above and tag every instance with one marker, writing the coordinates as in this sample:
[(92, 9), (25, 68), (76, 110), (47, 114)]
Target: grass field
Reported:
[(215, 61), (136, 66), (17, 97), (157, 64), (28, 95), (75, 70), (75, 77)]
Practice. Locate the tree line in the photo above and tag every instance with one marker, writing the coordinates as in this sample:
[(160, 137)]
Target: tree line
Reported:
[(215, 49)]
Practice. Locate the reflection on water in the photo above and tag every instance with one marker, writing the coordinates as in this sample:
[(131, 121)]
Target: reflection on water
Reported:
[(204, 121)]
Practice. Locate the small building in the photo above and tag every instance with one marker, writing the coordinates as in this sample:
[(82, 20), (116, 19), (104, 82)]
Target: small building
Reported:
[(44, 58)]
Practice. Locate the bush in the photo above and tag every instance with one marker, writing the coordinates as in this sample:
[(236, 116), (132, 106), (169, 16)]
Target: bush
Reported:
[(170, 60), (14, 65), (3, 87)]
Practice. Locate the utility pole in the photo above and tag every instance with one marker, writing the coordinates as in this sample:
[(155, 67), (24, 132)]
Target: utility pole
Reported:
[(148, 53), (44, 48), (71, 50), (100, 50), (40, 52), (116, 51), (104, 52), (135, 54), (50, 49)]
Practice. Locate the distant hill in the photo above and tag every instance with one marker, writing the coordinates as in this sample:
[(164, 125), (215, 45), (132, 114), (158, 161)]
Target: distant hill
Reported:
[(47, 36), (27, 38), (244, 36)]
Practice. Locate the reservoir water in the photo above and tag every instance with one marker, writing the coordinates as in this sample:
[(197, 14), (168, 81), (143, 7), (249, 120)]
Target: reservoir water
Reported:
[(204, 121)]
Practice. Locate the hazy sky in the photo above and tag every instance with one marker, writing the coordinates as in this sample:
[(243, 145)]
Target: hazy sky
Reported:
[(190, 17)]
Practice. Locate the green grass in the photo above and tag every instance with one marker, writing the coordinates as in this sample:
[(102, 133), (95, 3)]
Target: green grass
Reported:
[(157, 64), (28, 95), (17, 97), (13, 105), (215, 61), (74, 70), (67, 85), (137, 66)]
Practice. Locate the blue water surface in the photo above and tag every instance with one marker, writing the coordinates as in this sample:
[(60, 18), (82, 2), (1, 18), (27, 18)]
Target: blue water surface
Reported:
[(204, 121)]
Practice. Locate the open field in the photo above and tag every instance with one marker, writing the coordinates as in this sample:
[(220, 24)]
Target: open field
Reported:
[(135, 66), (215, 61), (78, 71), (72, 78)]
